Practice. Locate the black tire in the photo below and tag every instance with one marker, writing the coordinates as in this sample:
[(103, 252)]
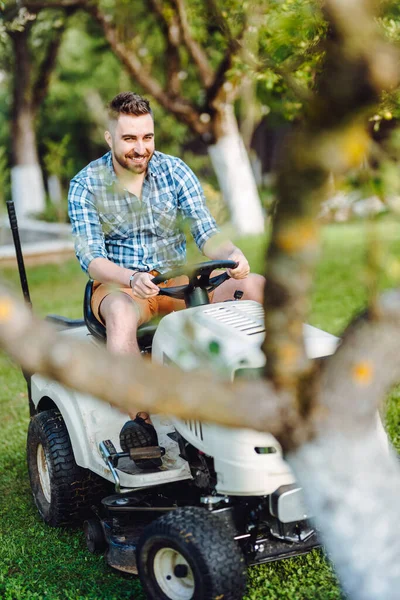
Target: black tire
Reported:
[(191, 554), (95, 539), (62, 491)]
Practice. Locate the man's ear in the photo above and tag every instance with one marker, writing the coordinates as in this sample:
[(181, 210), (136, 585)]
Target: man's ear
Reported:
[(108, 138)]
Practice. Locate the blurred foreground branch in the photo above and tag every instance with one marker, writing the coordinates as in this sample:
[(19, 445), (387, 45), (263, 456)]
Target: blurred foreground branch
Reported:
[(332, 139), (367, 361), (350, 477), (128, 382)]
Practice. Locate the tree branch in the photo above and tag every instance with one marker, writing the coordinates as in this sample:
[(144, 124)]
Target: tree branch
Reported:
[(177, 105), (350, 478), (170, 27), (214, 91), (346, 396), (196, 52), (46, 68), (219, 77), (218, 20), (127, 382), (171, 32), (369, 365), (34, 7), (170, 100)]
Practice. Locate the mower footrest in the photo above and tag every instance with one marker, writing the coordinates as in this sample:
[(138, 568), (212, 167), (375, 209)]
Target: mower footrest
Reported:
[(146, 453)]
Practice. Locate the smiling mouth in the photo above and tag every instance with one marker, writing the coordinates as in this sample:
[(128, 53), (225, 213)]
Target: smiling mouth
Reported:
[(138, 159)]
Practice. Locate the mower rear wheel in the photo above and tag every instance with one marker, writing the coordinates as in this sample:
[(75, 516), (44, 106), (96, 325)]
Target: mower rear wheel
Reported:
[(62, 491), (190, 554)]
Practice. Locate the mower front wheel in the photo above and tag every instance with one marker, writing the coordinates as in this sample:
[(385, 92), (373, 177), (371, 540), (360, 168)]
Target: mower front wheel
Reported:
[(62, 491), (95, 539), (190, 554)]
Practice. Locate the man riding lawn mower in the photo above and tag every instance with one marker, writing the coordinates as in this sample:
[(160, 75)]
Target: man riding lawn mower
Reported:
[(193, 503), (126, 211)]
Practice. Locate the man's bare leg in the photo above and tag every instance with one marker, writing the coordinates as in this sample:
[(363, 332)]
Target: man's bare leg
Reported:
[(122, 320), (252, 287)]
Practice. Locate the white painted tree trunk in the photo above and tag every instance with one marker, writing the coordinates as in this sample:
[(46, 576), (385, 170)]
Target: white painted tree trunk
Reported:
[(236, 178), (55, 189), (27, 185), (27, 190)]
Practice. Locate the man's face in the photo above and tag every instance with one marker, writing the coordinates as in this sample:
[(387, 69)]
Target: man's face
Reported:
[(132, 142)]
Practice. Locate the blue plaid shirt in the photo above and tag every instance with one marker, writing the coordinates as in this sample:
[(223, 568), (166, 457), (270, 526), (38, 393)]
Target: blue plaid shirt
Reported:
[(110, 222)]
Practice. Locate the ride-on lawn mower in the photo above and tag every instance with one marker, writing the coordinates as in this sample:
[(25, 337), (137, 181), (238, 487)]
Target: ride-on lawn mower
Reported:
[(190, 514)]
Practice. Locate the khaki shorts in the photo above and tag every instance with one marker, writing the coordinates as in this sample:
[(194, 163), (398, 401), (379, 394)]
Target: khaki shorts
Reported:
[(147, 308)]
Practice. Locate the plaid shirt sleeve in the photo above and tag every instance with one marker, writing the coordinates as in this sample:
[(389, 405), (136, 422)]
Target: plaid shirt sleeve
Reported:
[(86, 227), (192, 204)]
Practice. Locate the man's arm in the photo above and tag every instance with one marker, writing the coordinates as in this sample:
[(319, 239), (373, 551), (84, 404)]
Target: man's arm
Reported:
[(105, 271), (218, 247), (86, 228), (204, 229), (90, 248)]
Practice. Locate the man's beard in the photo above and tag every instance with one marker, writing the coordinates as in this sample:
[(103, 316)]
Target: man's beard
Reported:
[(130, 165)]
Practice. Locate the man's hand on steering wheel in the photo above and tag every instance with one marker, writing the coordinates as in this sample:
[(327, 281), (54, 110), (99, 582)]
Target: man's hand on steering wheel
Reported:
[(199, 277), (143, 287), (243, 268)]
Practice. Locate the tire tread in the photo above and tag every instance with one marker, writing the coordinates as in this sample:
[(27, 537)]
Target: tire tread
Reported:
[(73, 489), (210, 540)]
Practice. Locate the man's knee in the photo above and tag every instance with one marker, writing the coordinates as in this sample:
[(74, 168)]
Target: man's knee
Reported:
[(254, 286), (119, 310), (121, 318)]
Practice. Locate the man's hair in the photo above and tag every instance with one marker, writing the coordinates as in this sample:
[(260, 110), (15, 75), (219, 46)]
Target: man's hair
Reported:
[(128, 103)]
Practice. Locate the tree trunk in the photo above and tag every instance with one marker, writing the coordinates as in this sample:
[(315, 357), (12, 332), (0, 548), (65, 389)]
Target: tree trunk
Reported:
[(235, 176), (26, 173)]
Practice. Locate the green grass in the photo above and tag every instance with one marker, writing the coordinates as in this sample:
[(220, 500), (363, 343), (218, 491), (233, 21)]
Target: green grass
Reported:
[(37, 562)]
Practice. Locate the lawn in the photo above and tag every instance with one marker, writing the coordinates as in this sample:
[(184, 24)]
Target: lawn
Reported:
[(37, 562)]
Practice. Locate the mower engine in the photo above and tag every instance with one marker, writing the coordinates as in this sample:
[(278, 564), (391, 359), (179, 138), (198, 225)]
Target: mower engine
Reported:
[(227, 337)]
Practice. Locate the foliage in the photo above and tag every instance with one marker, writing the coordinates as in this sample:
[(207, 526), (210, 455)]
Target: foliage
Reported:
[(15, 20), (290, 53), (280, 50), (85, 73), (88, 72), (87, 76), (60, 166), (56, 160), (282, 54), (54, 212)]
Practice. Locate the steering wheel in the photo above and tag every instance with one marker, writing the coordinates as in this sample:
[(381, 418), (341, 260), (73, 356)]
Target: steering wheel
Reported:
[(199, 277)]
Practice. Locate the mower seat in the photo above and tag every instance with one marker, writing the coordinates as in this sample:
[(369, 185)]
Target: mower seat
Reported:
[(145, 332)]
